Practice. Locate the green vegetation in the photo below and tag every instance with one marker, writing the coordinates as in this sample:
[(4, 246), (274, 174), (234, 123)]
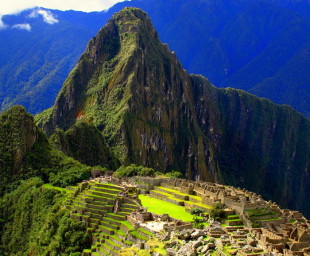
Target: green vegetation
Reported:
[(217, 212), (127, 224), (156, 246), (174, 174), (25, 152), (133, 170), (260, 212), (34, 217), (84, 142), (161, 207), (196, 211), (198, 223), (136, 234), (109, 91), (114, 90), (256, 224)]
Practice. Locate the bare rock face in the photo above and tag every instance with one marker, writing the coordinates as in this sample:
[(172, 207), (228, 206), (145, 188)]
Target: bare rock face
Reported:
[(151, 112)]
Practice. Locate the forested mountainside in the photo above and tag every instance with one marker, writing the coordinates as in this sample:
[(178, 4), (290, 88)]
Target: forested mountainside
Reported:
[(33, 216), (258, 46), (37, 53), (25, 152), (151, 112)]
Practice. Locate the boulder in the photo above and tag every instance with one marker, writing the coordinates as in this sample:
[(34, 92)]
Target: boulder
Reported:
[(197, 234), (196, 244), (171, 252)]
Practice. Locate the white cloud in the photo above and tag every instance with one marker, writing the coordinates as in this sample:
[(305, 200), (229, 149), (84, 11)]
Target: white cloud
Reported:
[(2, 25), (24, 26), (47, 16), (13, 6)]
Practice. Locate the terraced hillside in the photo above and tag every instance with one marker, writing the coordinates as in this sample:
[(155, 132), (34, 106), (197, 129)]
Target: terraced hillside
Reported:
[(104, 207), (125, 219), (179, 198), (167, 194)]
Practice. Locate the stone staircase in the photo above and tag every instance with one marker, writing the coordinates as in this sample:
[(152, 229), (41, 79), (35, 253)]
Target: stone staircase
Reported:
[(103, 210)]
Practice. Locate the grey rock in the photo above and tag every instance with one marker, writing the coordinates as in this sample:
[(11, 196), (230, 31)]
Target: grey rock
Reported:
[(196, 244), (171, 252), (205, 249), (197, 234)]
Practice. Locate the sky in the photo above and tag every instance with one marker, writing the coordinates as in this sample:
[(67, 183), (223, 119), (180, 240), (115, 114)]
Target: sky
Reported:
[(14, 6)]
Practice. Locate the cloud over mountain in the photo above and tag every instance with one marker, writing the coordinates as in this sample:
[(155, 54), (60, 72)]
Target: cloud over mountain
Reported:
[(2, 25), (47, 16), (24, 26)]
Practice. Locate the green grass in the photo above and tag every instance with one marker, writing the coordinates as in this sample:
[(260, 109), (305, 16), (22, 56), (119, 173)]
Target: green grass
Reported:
[(271, 219), (233, 215), (161, 207), (260, 212), (170, 196), (173, 191), (50, 186), (137, 235), (148, 233), (198, 205), (169, 190), (127, 224)]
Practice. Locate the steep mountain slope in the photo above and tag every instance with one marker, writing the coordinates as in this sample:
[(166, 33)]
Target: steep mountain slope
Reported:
[(260, 46), (153, 113), (35, 220), (85, 143), (26, 152)]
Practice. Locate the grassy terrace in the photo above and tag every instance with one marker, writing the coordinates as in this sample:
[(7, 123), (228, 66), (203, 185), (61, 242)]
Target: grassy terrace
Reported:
[(199, 205), (49, 186), (180, 193), (271, 219), (169, 193), (161, 207)]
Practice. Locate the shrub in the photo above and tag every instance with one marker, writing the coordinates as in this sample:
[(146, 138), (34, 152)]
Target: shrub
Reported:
[(198, 223), (217, 212), (69, 177), (133, 170), (196, 211), (174, 174)]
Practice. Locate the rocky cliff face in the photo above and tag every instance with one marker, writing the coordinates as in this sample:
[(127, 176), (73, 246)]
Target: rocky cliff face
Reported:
[(152, 112)]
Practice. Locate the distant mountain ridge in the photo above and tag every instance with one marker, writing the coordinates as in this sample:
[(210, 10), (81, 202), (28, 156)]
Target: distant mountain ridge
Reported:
[(259, 46), (152, 113), (34, 64)]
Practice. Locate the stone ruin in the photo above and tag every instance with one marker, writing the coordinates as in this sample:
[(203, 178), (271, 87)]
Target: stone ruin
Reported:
[(285, 233), (162, 222)]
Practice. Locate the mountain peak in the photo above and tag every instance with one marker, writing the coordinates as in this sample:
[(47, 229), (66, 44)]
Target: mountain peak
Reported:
[(104, 75), (129, 28), (152, 113)]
